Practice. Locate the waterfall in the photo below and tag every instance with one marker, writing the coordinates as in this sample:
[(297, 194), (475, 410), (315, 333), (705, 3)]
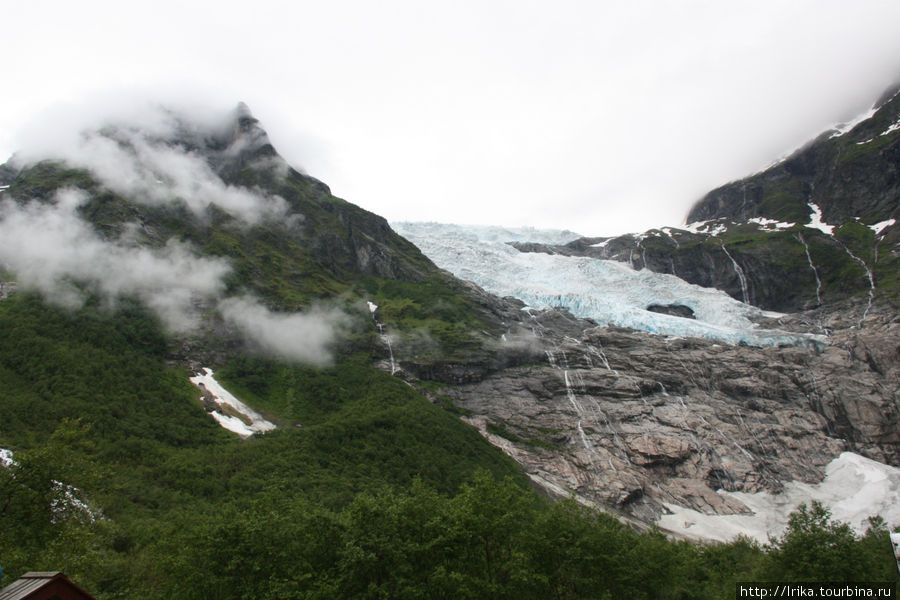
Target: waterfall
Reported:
[(385, 337), (599, 353), (813, 267), (561, 364), (871, 284), (740, 273), (668, 232), (593, 413), (570, 394)]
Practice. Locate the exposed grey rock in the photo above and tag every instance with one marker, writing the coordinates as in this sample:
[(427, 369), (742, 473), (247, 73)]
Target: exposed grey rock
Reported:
[(630, 420), (676, 310)]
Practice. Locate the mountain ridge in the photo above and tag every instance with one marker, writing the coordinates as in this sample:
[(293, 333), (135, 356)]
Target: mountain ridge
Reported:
[(806, 228)]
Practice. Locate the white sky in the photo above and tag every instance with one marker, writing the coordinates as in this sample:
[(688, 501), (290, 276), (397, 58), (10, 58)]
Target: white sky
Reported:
[(597, 116)]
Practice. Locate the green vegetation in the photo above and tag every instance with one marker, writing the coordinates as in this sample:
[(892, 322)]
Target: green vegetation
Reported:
[(785, 201), (501, 430), (378, 494), (43, 179), (367, 489), (491, 538), (853, 152)]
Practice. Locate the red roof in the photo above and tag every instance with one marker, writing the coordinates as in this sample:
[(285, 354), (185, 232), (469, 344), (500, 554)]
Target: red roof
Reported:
[(43, 585)]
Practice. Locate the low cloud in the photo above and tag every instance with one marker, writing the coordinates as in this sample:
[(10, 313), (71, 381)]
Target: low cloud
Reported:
[(152, 154), (52, 250), (305, 337)]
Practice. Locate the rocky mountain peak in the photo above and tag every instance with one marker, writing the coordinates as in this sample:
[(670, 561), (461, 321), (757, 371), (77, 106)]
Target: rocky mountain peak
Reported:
[(850, 172)]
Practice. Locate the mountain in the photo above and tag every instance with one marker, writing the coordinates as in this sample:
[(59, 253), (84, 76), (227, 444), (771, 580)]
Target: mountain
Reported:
[(651, 414), (219, 380), (147, 254), (640, 407), (814, 228)]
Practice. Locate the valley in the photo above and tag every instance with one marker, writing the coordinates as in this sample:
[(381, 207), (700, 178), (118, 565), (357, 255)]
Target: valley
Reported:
[(395, 409)]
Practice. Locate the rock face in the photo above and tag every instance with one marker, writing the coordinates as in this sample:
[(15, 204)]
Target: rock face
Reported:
[(676, 310), (631, 420), (634, 421)]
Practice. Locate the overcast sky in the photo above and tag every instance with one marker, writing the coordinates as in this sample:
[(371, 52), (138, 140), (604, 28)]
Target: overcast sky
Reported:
[(600, 117)]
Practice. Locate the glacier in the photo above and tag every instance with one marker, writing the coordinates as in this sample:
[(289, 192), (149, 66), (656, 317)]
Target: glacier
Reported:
[(607, 292)]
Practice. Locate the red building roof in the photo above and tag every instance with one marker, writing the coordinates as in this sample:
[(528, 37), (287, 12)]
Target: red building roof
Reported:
[(43, 585)]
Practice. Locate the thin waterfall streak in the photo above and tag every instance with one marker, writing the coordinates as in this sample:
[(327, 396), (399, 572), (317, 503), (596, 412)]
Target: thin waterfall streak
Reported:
[(871, 284), (385, 337), (742, 278), (813, 267)]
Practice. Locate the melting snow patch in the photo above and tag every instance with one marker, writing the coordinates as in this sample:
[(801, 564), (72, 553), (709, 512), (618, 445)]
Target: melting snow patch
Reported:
[(712, 228), (770, 223), (6, 457), (854, 489), (252, 422), (894, 127), (879, 227), (815, 220), (601, 244)]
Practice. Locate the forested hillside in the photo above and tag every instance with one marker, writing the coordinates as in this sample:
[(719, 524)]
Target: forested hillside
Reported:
[(115, 290)]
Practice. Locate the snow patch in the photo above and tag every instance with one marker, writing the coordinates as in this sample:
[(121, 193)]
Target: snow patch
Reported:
[(879, 227), (816, 222), (770, 223), (713, 228), (601, 244), (206, 381), (6, 457), (854, 489), (894, 127), (842, 128)]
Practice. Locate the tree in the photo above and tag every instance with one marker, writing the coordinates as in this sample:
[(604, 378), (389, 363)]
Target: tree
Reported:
[(39, 501), (816, 548)]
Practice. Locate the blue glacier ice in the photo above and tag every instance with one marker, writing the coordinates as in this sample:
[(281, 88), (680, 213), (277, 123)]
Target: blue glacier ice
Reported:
[(608, 292)]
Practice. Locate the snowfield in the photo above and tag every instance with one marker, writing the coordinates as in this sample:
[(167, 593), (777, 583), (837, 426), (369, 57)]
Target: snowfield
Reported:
[(854, 489)]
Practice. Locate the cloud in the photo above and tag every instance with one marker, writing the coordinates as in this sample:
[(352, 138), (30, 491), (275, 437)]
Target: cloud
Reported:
[(157, 155), (305, 337), (52, 250)]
